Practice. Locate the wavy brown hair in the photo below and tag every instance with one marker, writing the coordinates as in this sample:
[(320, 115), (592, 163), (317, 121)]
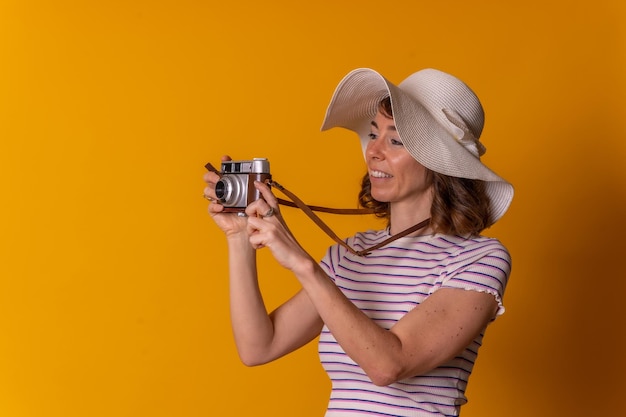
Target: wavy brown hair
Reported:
[(460, 206)]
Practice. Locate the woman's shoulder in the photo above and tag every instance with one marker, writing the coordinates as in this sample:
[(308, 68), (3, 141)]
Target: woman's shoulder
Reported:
[(445, 242), (475, 247), (470, 242), (438, 246)]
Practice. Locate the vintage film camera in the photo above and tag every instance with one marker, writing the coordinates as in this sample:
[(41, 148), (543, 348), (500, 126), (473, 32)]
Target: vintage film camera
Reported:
[(235, 189)]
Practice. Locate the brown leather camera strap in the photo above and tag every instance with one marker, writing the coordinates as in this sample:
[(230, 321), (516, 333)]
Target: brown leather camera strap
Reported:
[(310, 211)]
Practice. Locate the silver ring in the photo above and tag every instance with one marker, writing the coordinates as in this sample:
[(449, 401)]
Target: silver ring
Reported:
[(269, 213)]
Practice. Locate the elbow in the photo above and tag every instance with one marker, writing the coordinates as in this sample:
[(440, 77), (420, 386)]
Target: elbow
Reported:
[(382, 381), (385, 376), (249, 362), (250, 359)]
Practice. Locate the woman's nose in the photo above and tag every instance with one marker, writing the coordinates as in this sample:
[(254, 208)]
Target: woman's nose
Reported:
[(374, 149)]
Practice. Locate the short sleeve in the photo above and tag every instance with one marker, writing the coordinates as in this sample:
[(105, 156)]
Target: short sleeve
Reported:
[(481, 267)]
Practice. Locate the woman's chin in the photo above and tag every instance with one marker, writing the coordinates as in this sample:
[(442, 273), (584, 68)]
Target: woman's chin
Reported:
[(381, 198)]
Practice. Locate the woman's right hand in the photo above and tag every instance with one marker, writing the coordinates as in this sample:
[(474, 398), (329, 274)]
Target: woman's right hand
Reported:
[(230, 223)]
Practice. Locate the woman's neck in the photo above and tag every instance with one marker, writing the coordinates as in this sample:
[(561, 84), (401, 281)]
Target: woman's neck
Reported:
[(401, 219)]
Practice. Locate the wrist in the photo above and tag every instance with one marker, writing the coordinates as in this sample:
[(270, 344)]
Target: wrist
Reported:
[(305, 268), (238, 240)]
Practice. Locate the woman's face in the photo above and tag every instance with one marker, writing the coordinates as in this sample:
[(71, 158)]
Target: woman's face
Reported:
[(396, 177)]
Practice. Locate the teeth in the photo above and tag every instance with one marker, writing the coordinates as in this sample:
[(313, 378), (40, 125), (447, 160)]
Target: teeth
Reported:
[(379, 174)]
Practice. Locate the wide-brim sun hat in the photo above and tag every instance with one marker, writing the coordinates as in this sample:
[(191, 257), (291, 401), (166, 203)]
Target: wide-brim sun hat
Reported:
[(439, 119)]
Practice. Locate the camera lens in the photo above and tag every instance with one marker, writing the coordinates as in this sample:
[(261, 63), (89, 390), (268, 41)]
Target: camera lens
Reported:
[(228, 190), (220, 190)]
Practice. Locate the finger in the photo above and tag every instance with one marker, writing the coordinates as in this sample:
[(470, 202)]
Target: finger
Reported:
[(258, 232), (215, 208), (257, 208), (267, 194), (213, 177), (261, 209), (253, 227), (210, 177), (268, 213)]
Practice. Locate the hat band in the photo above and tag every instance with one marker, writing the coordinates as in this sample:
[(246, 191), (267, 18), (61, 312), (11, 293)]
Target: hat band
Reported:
[(463, 135)]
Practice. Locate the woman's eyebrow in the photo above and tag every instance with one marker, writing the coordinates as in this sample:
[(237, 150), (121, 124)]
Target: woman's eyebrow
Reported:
[(392, 127)]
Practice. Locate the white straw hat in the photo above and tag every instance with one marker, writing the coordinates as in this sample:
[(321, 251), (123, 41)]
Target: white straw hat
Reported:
[(438, 118)]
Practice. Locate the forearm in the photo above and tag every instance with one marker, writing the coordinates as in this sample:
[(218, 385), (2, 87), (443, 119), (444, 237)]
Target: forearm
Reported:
[(427, 336), (252, 327), (377, 350)]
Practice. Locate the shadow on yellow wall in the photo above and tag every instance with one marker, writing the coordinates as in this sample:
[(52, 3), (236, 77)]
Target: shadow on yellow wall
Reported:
[(113, 295)]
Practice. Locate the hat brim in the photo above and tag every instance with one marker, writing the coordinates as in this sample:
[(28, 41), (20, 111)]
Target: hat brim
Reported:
[(428, 138)]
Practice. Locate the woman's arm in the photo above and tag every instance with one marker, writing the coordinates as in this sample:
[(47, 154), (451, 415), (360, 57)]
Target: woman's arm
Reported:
[(261, 338), (428, 336), (431, 334)]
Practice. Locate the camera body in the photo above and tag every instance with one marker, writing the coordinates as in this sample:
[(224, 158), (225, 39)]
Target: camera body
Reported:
[(235, 189)]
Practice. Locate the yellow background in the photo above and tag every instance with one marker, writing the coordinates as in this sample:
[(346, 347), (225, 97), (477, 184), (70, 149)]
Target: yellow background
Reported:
[(113, 286)]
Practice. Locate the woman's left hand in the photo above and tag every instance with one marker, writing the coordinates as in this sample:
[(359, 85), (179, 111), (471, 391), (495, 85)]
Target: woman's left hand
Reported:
[(266, 228)]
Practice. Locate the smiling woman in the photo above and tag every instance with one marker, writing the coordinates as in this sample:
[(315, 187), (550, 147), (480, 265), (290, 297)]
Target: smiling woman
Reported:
[(394, 175), (113, 289), (448, 195), (399, 326)]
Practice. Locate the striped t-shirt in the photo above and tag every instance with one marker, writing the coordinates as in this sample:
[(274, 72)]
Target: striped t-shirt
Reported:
[(386, 285)]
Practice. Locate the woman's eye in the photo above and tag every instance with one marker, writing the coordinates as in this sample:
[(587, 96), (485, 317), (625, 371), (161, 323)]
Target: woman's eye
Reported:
[(372, 136), (396, 142)]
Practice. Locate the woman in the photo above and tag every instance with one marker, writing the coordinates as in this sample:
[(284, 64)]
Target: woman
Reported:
[(400, 327)]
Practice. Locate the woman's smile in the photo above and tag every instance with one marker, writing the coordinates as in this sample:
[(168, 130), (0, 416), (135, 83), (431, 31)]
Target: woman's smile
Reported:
[(379, 175)]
